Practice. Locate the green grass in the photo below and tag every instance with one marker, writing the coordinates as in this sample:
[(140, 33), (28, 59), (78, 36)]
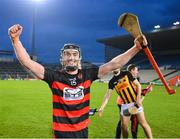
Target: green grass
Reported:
[(26, 110)]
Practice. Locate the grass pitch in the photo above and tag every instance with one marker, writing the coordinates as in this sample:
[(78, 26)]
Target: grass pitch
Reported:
[(26, 111)]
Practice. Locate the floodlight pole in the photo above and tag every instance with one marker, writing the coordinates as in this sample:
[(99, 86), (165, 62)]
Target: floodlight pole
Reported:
[(33, 50)]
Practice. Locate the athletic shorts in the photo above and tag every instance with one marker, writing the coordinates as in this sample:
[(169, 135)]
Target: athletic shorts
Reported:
[(77, 134), (124, 107)]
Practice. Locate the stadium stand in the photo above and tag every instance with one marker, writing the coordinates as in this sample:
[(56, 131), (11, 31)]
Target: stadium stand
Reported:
[(13, 70), (164, 45)]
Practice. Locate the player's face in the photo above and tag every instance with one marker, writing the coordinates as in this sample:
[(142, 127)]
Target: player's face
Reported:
[(135, 72), (70, 57)]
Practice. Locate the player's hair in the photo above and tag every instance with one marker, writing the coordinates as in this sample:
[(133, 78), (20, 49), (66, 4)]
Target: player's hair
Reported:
[(130, 67)]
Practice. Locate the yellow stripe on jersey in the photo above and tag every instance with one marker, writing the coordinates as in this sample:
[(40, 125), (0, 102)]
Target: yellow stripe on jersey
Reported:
[(128, 95), (125, 89), (121, 94), (132, 90)]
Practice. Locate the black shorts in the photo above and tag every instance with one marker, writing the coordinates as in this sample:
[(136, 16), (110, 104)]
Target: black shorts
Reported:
[(77, 134), (119, 106)]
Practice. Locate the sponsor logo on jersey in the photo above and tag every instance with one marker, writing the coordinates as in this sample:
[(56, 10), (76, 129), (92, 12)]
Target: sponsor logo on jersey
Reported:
[(73, 93)]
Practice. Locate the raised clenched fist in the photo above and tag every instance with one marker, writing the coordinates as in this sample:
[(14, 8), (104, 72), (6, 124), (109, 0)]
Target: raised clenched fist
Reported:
[(15, 31)]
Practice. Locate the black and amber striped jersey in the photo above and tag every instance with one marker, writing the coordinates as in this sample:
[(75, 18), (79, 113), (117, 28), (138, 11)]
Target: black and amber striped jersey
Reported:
[(71, 96), (123, 84)]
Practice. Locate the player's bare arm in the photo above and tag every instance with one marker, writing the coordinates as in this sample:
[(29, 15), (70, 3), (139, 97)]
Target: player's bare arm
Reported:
[(122, 59), (139, 101), (105, 101), (23, 57)]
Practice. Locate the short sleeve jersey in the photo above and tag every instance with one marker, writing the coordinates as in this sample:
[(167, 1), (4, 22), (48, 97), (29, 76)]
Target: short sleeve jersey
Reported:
[(71, 96), (123, 84)]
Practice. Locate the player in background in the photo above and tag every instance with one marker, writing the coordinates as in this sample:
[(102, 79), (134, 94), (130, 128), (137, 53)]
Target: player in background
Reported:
[(134, 122)]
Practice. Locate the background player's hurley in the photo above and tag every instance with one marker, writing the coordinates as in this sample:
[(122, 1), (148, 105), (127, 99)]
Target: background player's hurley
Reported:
[(130, 23), (92, 111)]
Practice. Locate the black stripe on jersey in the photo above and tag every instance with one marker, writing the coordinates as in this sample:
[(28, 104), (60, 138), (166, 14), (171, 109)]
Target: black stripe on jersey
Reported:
[(133, 88), (125, 96), (70, 107), (121, 97), (130, 93), (60, 93), (57, 92), (65, 120)]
